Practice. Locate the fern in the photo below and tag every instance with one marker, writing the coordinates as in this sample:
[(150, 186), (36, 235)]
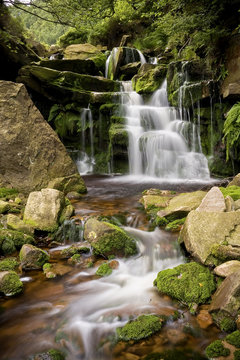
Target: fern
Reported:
[(231, 129)]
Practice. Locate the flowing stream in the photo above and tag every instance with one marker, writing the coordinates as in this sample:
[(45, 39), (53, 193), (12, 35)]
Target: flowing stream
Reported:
[(79, 311)]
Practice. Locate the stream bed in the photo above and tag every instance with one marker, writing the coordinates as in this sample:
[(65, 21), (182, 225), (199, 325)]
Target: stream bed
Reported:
[(79, 312)]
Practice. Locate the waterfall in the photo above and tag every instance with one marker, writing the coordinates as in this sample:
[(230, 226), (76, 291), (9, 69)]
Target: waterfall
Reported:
[(85, 161), (161, 144)]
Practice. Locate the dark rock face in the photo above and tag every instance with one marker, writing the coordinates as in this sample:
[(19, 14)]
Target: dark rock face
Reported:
[(31, 152)]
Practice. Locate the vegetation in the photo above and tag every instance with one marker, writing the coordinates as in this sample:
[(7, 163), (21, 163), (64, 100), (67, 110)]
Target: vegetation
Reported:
[(216, 349), (141, 328), (231, 132), (104, 270)]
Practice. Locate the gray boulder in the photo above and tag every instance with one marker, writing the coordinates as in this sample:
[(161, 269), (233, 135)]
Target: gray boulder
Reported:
[(43, 209), (203, 232), (227, 268), (213, 201), (31, 152)]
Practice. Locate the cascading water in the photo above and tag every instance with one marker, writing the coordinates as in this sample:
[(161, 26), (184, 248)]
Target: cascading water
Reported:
[(161, 143), (84, 161)]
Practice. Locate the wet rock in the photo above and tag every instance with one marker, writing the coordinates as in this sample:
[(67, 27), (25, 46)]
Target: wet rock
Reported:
[(31, 152), (205, 232), (67, 184), (213, 201), (227, 298), (15, 223), (80, 51), (52, 270), (190, 283), (107, 239), (51, 354), (67, 213), (204, 319), (129, 70), (4, 207), (141, 328), (227, 268), (176, 337), (32, 258), (10, 284), (43, 209), (156, 201), (75, 249), (180, 205)]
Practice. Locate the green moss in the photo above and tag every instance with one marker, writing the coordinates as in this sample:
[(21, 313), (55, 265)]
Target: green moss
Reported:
[(11, 284), (175, 225), (216, 349), (233, 191), (8, 247), (141, 328), (109, 109), (161, 221), (110, 243), (8, 264), (234, 338), (104, 270), (56, 354), (236, 355), (175, 354), (6, 193), (231, 130), (118, 120), (189, 283), (118, 135), (227, 324), (47, 267), (149, 81), (16, 237)]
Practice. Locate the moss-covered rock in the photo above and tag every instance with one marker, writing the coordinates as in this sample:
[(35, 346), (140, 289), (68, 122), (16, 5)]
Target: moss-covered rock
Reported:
[(141, 328), (4, 207), (80, 51), (234, 338), (15, 223), (216, 349), (55, 269), (179, 206), (149, 81), (10, 240), (190, 283), (9, 264), (118, 135), (107, 239), (32, 258), (68, 183), (6, 193), (52, 354), (73, 250), (104, 270), (10, 284), (74, 65), (175, 225)]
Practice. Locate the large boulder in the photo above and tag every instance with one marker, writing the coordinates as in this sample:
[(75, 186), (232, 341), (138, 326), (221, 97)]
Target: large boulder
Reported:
[(107, 239), (73, 65), (32, 258), (43, 209), (31, 152), (180, 205), (80, 51), (211, 235)]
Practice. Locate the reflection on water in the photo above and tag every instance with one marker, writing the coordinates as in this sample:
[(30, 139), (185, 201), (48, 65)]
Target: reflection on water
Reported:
[(76, 313)]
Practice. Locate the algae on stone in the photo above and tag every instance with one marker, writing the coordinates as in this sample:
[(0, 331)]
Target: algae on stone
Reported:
[(104, 270), (32, 258), (190, 283), (141, 328), (216, 349), (10, 284), (233, 191), (9, 264)]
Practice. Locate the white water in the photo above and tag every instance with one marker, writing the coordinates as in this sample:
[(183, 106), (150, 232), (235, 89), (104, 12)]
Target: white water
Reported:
[(127, 291), (161, 144), (84, 161)]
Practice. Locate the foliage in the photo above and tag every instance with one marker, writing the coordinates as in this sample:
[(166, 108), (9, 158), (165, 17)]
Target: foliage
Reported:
[(233, 191), (104, 270), (234, 338), (72, 36), (231, 131), (216, 349)]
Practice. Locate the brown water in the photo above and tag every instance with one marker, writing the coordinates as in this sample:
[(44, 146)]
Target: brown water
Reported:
[(77, 312)]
